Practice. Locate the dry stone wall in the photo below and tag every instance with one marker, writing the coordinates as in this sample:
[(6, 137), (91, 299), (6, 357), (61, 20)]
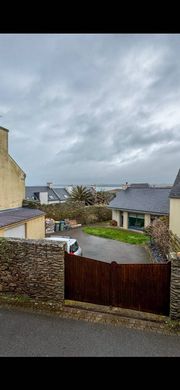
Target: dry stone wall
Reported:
[(175, 287), (34, 268)]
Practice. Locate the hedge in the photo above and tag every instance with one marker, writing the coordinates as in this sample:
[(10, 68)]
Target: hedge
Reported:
[(74, 210)]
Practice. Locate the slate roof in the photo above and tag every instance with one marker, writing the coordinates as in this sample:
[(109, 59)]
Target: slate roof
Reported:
[(146, 200), (175, 191), (11, 216), (62, 193), (54, 194)]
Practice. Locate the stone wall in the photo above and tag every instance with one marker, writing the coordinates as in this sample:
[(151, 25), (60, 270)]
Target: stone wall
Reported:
[(34, 268), (175, 287)]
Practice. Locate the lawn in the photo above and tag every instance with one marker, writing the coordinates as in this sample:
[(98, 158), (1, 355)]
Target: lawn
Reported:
[(117, 234)]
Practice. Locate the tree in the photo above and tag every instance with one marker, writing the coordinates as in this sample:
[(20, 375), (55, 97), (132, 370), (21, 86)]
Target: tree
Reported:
[(82, 194), (104, 197)]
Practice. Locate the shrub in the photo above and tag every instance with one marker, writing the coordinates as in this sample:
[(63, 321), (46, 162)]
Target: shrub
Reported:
[(91, 218), (113, 222), (33, 204), (158, 232), (103, 213), (74, 210)]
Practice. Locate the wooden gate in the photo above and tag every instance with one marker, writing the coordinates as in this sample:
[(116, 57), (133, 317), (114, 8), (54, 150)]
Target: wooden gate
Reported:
[(144, 287)]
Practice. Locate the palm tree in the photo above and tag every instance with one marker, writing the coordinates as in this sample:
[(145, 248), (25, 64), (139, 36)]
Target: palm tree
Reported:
[(82, 194)]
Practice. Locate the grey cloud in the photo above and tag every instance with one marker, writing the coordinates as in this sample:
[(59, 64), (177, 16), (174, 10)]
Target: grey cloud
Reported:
[(92, 108)]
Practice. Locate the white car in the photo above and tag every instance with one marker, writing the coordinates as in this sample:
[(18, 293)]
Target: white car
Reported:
[(71, 243)]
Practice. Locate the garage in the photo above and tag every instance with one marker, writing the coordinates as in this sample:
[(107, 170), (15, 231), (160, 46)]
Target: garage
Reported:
[(16, 232), (22, 222)]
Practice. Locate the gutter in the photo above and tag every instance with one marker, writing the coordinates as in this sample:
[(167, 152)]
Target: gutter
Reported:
[(139, 211)]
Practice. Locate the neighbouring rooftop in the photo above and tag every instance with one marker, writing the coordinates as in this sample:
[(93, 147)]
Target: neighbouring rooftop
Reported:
[(11, 216), (54, 194), (175, 191), (143, 199)]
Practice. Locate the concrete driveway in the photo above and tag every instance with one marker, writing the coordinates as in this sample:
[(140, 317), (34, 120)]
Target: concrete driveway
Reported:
[(107, 250)]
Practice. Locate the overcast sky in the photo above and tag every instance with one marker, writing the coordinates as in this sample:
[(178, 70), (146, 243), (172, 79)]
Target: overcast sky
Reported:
[(92, 108)]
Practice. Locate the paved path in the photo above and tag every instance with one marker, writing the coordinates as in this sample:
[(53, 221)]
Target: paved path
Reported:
[(107, 250), (29, 334)]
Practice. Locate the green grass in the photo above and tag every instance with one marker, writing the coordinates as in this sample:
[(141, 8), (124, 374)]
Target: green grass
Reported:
[(117, 234)]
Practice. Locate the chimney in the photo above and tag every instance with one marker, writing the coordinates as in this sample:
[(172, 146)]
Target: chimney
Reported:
[(3, 140), (50, 184), (43, 197)]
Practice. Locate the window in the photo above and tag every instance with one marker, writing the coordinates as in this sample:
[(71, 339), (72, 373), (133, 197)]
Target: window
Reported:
[(74, 247), (36, 195), (121, 219), (136, 221)]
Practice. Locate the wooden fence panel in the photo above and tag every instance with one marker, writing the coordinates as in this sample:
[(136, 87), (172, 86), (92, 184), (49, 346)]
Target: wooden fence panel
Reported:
[(144, 287), (87, 280)]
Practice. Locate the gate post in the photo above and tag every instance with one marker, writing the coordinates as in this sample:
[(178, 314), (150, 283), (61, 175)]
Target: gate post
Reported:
[(175, 287), (112, 287)]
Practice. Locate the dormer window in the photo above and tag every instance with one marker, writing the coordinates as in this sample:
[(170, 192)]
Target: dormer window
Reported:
[(36, 195)]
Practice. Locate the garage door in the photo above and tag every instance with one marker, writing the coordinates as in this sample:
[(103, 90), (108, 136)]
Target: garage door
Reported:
[(16, 232)]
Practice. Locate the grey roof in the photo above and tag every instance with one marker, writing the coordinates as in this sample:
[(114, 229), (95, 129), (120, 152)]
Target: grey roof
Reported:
[(62, 193), (175, 191), (150, 200), (11, 216), (54, 194), (36, 189)]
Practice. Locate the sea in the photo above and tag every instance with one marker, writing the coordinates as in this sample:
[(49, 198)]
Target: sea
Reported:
[(103, 187)]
